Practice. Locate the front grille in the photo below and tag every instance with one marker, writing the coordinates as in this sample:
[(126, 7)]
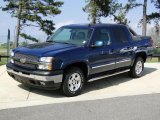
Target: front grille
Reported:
[(29, 58), (29, 61), (29, 66)]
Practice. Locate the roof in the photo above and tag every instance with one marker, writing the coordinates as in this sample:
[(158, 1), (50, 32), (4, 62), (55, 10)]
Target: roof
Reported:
[(92, 25)]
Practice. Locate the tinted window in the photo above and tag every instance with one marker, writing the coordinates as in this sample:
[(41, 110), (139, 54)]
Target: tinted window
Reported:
[(120, 35), (77, 36), (103, 34)]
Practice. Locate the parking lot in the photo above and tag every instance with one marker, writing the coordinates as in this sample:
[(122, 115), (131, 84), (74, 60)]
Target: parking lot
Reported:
[(14, 94)]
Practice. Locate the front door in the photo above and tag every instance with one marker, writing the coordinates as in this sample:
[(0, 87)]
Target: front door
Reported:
[(102, 58)]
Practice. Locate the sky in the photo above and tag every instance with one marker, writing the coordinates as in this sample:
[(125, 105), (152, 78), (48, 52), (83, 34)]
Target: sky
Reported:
[(72, 13)]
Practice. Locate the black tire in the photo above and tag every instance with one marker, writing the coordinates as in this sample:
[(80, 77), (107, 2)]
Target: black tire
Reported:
[(133, 72), (66, 86)]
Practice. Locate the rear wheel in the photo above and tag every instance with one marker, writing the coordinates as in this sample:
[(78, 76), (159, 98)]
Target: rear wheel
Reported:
[(73, 82), (137, 68)]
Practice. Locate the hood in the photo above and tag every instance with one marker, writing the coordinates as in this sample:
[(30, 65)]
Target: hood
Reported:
[(40, 49)]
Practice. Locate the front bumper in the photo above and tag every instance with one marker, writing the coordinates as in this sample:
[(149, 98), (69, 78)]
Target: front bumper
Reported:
[(49, 80)]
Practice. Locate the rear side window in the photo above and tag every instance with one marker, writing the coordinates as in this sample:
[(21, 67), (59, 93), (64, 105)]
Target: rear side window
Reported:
[(120, 35)]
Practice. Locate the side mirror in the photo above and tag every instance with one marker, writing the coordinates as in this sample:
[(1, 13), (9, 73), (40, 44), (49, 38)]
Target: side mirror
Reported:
[(97, 44)]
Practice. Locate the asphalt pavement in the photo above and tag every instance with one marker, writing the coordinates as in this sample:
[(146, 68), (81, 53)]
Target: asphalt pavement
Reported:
[(144, 107)]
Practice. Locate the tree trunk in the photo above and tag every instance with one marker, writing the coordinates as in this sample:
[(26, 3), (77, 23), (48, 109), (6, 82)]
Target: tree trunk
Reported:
[(94, 15), (144, 29), (94, 20), (18, 24)]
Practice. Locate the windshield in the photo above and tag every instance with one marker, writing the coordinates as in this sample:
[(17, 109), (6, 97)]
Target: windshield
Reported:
[(77, 36)]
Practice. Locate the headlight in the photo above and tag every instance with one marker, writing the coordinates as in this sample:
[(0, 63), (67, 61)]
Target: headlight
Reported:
[(45, 63), (46, 59), (12, 54), (45, 66)]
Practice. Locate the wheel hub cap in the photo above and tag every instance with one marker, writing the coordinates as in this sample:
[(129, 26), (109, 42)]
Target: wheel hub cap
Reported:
[(139, 67), (74, 82)]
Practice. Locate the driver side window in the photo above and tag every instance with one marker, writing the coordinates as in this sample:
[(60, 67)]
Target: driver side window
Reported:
[(104, 35)]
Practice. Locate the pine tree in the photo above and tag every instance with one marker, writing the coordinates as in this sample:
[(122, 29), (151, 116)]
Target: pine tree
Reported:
[(33, 13), (97, 9), (120, 11), (109, 8), (144, 29)]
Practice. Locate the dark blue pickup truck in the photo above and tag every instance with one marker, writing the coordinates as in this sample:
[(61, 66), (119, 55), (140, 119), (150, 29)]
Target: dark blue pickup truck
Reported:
[(76, 54)]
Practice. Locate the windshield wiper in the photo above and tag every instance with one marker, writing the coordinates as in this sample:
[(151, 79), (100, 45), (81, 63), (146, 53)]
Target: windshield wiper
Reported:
[(49, 41), (59, 42), (53, 41), (67, 43)]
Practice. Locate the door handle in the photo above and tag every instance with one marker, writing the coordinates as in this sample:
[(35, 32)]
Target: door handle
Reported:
[(123, 50), (127, 49)]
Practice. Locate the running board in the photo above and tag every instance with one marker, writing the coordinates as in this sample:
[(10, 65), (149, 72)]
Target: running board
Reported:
[(105, 76)]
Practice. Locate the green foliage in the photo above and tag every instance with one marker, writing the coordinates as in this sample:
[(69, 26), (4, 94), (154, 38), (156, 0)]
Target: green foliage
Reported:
[(36, 13), (156, 3), (24, 43), (28, 37), (155, 16), (92, 10), (119, 11), (4, 45), (156, 50), (111, 8), (3, 61), (153, 60), (97, 9), (105, 7)]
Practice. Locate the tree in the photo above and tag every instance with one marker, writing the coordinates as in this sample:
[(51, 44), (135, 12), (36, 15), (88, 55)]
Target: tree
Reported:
[(155, 35), (155, 16), (120, 11), (24, 43), (97, 8), (92, 9), (144, 29), (132, 4), (111, 8), (33, 13)]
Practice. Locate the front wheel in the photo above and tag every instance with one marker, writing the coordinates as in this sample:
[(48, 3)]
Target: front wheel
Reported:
[(73, 82), (137, 68)]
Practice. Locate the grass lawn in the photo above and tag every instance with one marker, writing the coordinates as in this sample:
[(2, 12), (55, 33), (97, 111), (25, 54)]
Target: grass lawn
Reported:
[(153, 60), (3, 61), (3, 51)]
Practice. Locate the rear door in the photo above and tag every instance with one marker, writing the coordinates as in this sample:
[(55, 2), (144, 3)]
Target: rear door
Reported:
[(122, 46), (102, 58)]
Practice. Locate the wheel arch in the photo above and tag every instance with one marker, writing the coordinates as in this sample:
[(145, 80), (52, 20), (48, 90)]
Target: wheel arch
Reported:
[(141, 54), (80, 64)]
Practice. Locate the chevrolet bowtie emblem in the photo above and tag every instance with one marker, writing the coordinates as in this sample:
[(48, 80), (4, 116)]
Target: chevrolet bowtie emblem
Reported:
[(23, 60)]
